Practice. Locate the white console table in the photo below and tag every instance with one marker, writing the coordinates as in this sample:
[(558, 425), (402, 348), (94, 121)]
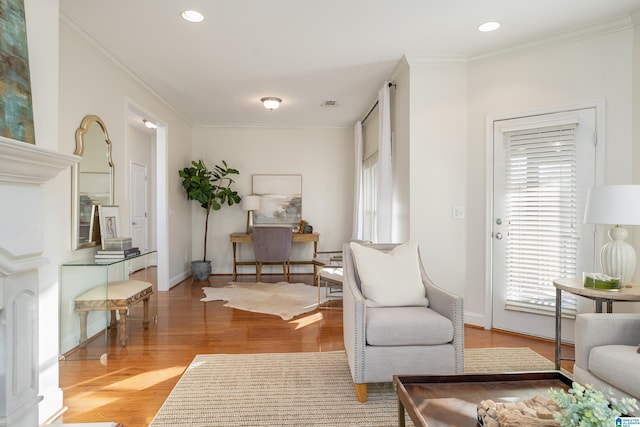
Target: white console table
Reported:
[(84, 333)]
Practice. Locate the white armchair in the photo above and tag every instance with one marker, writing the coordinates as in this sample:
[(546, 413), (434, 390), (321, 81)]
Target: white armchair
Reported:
[(606, 352), (384, 341)]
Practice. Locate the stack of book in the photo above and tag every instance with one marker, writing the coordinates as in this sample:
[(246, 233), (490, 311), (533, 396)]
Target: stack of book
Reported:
[(112, 255)]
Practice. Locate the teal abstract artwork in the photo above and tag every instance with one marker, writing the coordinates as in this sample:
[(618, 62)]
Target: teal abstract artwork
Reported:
[(16, 109)]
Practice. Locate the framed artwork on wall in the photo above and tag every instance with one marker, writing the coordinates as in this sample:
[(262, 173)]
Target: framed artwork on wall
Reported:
[(16, 109), (280, 199)]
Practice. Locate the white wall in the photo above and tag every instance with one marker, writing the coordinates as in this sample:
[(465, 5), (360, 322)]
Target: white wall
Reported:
[(438, 169), (324, 158), (92, 84), (589, 69), (401, 152), (42, 35)]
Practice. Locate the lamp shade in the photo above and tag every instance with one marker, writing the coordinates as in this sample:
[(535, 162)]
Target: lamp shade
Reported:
[(250, 203), (613, 204)]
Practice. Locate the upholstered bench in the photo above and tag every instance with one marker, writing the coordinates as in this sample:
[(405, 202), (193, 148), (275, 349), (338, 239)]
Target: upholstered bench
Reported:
[(114, 296)]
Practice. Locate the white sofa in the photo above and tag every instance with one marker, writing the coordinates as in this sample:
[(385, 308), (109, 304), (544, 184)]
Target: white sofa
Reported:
[(606, 352)]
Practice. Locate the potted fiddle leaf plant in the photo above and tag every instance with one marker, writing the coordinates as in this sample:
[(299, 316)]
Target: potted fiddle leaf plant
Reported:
[(212, 189)]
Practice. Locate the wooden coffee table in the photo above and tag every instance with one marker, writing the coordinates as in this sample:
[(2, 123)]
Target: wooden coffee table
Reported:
[(446, 400)]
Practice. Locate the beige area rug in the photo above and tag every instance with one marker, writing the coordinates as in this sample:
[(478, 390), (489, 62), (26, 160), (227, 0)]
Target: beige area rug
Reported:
[(295, 389), (283, 299)]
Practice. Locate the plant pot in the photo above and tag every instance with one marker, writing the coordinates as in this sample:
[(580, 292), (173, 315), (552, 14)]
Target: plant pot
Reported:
[(200, 270)]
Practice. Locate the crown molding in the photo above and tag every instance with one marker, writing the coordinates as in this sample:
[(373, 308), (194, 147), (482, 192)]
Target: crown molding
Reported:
[(436, 61), (620, 23), (272, 126), (635, 17), (68, 23)]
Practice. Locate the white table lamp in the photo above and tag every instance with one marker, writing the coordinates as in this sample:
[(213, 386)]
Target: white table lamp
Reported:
[(615, 205), (250, 203)]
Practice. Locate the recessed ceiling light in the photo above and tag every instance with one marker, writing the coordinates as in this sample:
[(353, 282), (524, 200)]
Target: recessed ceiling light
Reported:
[(489, 26), (192, 16)]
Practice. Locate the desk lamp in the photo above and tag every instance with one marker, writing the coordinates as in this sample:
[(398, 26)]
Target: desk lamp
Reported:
[(250, 203), (615, 205)]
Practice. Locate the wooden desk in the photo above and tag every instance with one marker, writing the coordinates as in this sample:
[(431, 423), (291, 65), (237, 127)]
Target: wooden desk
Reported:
[(295, 238), (574, 285)]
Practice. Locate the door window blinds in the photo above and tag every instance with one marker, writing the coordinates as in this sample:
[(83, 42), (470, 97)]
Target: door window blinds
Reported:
[(541, 210)]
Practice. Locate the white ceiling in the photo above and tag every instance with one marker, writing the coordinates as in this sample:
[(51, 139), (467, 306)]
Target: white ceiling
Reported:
[(306, 52)]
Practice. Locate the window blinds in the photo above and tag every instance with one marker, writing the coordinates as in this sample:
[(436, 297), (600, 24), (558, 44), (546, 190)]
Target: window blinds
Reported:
[(541, 211)]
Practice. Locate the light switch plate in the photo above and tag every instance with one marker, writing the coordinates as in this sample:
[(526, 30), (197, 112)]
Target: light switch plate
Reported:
[(457, 212)]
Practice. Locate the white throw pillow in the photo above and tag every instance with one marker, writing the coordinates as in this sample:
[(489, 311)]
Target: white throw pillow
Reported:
[(390, 279)]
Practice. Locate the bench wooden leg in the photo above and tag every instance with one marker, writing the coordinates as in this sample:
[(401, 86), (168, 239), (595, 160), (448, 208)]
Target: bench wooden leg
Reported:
[(114, 321), (83, 326), (123, 326), (145, 309)]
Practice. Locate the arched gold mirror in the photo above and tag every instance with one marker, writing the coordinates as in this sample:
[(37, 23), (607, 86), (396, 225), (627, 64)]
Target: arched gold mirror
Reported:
[(92, 181)]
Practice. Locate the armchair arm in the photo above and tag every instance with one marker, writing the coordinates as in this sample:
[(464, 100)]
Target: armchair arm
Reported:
[(450, 306), (596, 329), (354, 317)]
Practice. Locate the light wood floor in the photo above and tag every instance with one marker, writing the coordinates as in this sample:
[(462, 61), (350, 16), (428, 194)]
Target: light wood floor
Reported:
[(135, 381)]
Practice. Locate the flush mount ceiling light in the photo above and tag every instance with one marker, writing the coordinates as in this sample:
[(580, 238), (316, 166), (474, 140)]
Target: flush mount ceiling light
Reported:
[(270, 102), (489, 26), (192, 16), (149, 124)]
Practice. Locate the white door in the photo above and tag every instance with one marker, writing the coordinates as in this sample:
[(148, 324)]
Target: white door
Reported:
[(543, 167), (139, 206)]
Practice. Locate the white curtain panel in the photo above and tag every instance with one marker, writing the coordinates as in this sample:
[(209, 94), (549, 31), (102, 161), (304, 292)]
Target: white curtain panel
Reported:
[(358, 208), (384, 198)]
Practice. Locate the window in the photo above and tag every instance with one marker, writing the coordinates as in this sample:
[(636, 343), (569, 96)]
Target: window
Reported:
[(369, 191)]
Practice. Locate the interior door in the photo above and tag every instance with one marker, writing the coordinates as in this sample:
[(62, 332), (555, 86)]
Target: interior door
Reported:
[(139, 206), (537, 227)]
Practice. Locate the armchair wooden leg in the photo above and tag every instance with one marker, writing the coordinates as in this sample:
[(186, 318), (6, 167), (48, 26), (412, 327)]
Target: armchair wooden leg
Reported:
[(361, 392)]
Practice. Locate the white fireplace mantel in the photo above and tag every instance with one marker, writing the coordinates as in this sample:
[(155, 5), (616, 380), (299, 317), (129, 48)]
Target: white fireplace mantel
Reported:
[(26, 163), (24, 168)]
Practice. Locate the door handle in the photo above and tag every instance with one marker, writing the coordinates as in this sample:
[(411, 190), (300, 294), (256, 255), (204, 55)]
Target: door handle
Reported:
[(134, 223), (498, 236)]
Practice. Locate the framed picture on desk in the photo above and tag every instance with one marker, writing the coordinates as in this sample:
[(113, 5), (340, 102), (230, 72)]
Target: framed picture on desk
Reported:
[(280, 199)]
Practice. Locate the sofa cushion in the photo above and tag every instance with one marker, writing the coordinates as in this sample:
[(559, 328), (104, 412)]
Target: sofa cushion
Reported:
[(394, 326), (390, 279), (617, 365)]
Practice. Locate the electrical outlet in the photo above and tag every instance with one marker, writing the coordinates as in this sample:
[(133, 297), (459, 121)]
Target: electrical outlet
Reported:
[(457, 212)]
